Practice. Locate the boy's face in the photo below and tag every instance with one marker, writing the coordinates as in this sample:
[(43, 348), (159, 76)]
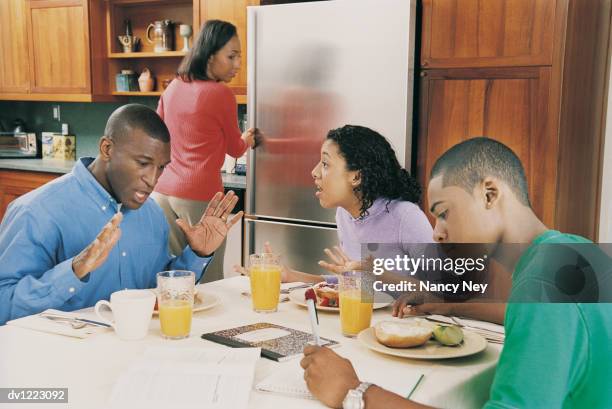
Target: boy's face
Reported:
[(462, 217)]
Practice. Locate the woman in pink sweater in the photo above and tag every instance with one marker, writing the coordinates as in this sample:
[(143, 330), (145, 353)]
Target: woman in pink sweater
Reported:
[(201, 113)]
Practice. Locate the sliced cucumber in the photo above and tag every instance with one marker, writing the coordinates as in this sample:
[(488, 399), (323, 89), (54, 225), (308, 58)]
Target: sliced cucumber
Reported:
[(449, 335)]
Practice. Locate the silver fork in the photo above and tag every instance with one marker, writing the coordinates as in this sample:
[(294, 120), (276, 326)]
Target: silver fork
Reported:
[(74, 324)]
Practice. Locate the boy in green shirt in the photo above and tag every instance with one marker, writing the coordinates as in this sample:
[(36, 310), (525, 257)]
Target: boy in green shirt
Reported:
[(555, 355)]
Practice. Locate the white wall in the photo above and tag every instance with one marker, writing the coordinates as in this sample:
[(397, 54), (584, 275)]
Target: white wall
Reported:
[(605, 215)]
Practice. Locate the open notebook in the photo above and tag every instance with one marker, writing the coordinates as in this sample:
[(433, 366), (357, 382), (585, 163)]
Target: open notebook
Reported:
[(289, 379)]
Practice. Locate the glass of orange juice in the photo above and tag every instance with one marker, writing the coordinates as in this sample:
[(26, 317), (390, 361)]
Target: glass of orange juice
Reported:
[(356, 302), (265, 275), (175, 291)]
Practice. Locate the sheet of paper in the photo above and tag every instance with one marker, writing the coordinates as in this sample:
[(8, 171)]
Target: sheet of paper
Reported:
[(187, 378), (289, 379)]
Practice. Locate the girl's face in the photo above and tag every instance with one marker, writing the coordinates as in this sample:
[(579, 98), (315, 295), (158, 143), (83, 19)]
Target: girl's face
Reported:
[(225, 63), (334, 182)]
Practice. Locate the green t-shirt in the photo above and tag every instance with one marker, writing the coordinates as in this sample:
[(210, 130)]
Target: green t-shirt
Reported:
[(556, 355)]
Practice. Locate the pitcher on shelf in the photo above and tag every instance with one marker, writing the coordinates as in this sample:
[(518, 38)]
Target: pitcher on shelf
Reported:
[(129, 41), (163, 36)]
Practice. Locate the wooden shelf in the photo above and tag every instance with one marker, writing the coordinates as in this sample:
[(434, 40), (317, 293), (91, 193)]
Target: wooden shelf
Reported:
[(140, 2), (137, 93), (240, 99), (56, 97), (167, 54)]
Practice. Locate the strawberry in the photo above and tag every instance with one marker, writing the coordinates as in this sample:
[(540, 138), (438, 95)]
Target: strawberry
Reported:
[(310, 295)]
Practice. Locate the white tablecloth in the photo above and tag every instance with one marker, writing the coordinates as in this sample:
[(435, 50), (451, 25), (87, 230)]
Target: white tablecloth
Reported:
[(89, 367)]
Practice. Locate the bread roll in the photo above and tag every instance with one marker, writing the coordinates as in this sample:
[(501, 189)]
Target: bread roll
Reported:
[(402, 334)]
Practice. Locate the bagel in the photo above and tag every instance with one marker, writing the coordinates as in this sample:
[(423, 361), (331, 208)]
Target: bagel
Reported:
[(402, 334)]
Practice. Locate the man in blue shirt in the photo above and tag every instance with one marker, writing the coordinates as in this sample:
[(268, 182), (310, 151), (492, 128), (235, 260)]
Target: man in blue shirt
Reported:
[(94, 231)]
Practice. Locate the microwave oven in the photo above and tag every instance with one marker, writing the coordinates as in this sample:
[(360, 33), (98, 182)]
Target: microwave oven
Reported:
[(18, 145)]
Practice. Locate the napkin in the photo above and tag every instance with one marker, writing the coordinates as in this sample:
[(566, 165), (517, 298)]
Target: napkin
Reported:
[(38, 323)]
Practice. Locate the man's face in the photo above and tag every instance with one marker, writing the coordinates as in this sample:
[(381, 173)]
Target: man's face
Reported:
[(135, 164), (461, 217)]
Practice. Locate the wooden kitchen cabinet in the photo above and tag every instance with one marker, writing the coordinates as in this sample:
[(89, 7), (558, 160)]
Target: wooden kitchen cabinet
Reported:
[(67, 50), (510, 105), (59, 46), (141, 13), (58, 58), (545, 98), (477, 33), (15, 183), (165, 65), (14, 69)]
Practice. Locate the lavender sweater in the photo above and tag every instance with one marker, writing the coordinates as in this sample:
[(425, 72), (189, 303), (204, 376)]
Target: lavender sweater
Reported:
[(399, 224)]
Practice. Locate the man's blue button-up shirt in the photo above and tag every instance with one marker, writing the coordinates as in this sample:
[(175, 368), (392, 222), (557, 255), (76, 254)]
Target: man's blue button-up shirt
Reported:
[(43, 230)]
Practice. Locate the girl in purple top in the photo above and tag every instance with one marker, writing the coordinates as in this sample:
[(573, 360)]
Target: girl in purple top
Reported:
[(359, 174)]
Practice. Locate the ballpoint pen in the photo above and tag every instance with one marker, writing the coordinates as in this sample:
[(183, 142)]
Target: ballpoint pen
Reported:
[(311, 300)]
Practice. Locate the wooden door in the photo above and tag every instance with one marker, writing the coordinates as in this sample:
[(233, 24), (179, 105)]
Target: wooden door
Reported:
[(489, 33), (17, 183), (235, 12), (507, 104), (14, 74), (58, 39)]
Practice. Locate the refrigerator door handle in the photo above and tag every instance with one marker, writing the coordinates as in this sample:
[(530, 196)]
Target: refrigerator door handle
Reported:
[(248, 219), (251, 104)]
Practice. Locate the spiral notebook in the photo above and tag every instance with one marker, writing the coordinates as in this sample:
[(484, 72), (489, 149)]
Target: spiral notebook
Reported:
[(277, 342), (289, 380)]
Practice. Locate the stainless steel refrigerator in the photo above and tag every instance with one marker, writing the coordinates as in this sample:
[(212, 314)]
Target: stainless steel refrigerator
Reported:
[(313, 67)]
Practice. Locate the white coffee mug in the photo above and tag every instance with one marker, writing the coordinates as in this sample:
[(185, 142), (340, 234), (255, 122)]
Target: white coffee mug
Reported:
[(132, 311)]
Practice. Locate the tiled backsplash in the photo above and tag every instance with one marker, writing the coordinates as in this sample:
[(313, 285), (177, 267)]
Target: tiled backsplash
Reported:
[(86, 120)]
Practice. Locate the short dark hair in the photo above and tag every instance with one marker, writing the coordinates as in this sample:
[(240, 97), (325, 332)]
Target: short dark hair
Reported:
[(369, 153), (469, 162), (136, 116), (212, 37)]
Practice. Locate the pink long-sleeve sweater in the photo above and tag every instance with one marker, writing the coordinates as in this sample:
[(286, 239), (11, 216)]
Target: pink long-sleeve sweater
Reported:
[(203, 124)]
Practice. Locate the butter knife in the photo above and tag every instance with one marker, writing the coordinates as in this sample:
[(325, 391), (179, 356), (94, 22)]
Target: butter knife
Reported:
[(75, 319)]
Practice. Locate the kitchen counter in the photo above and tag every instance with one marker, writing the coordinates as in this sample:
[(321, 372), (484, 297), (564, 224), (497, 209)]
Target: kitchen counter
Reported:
[(230, 180), (38, 165)]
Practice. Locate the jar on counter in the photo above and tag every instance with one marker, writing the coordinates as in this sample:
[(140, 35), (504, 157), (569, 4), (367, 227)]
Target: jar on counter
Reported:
[(126, 81)]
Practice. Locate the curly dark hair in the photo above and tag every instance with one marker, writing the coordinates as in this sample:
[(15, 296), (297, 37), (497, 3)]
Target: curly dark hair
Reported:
[(369, 153)]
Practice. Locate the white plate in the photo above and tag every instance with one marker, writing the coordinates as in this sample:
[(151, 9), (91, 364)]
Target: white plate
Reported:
[(205, 301), (472, 344), (297, 297)]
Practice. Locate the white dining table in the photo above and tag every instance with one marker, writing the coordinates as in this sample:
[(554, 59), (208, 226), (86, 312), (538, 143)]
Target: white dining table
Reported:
[(89, 367)]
